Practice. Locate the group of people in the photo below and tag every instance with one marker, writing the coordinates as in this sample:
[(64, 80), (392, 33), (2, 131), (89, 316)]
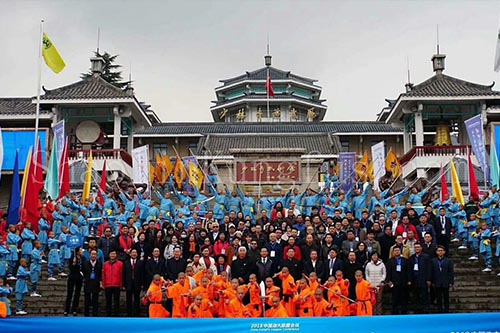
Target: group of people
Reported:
[(213, 254)]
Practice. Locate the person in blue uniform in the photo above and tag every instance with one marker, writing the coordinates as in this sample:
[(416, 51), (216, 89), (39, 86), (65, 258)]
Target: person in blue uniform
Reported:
[(21, 289)]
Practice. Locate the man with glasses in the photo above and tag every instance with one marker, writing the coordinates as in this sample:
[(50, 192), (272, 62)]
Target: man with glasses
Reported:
[(106, 243)]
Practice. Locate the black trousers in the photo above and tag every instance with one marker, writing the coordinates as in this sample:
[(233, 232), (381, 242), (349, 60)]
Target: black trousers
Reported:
[(73, 292), (421, 299), (91, 300), (399, 299), (112, 295), (443, 299), (133, 303)]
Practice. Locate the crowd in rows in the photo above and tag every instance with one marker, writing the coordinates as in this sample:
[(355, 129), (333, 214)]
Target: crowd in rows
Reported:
[(214, 254)]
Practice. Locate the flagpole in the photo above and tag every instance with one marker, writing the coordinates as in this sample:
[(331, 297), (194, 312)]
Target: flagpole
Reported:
[(39, 84), (468, 167)]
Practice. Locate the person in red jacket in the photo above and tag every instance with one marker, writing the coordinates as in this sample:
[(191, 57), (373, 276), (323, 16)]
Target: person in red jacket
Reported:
[(112, 282), (404, 227)]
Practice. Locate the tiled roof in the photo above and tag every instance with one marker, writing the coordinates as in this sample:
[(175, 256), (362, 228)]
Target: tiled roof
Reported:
[(306, 144), (18, 106), (318, 103), (91, 88), (274, 73), (441, 85), (271, 128)]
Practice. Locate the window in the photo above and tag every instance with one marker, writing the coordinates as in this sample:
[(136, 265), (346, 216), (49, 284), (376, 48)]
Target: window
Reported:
[(159, 149), (193, 147), (345, 146)]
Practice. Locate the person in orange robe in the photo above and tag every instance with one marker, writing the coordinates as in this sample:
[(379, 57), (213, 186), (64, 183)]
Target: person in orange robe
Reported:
[(321, 307), (235, 308), (271, 291), (179, 293), (277, 309), (195, 310), (255, 305), (289, 288), (304, 299), (205, 290), (343, 285), (226, 296), (312, 280), (154, 295), (363, 296)]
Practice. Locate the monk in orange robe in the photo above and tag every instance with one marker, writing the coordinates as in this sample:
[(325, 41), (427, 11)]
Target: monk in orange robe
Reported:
[(206, 292), (154, 295), (255, 305), (289, 289), (312, 280), (235, 308), (321, 307), (304, 299), (271, 291), (277, 309), (179, 293), (363, 296), (343, 303), (196, 310), (226, 296)]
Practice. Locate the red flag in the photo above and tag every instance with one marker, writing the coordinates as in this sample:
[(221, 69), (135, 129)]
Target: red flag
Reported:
[(444, 186), (269, 87), (34, 185), (102, 184), (64, 186), (474, 189)]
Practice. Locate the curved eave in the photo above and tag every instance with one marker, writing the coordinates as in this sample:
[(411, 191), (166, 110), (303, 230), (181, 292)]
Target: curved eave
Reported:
[(246, 81)]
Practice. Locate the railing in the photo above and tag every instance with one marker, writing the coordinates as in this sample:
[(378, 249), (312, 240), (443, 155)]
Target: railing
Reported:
[(102, 154), (427, 151)]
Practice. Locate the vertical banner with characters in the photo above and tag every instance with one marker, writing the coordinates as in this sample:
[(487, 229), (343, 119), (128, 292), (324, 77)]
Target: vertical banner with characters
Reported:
[(347, 161), (475, 131), (59, 136), (140, 162), (378, 160)]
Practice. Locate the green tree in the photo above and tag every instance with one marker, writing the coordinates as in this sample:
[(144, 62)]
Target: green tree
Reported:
[(111, 71)]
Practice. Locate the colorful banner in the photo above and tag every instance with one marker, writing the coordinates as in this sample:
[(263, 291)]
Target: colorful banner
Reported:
[(59, 135), (347, 162), (378, 160), (268, 172), (432, 323), (187, 185), (475, 131), (140, 158)]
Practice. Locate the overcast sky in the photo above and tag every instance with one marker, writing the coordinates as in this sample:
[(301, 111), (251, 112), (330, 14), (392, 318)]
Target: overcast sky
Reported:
[(357, 50)]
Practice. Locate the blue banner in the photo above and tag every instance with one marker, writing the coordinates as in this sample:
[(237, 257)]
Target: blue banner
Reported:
[(435, 323), (74, 241), (475, 131), (20, 140), (347, 162), (59, 136), (187, 186)]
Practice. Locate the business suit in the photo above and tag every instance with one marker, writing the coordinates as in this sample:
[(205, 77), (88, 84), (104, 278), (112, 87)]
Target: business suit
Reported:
[(443, 231), (398, 275), (152, 268), (332, 265), (319, 268), (420, 274), (264, 271), (133, 280), (92, 277), (442, 278)]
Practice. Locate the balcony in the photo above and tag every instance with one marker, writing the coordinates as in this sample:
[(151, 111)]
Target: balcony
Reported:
[(422, 158), (116, 159)]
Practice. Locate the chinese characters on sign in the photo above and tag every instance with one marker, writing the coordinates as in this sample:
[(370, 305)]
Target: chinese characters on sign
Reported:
[(268, 172)]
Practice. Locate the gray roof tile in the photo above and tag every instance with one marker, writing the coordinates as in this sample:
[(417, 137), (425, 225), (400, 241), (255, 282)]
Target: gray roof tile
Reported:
[(274, 73), (18, 106), (91, 88), (441, 85)]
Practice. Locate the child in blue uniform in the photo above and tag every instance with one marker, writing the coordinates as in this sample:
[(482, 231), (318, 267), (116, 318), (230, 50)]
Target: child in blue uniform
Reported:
[(28, 237), (484, 245), (54, 258), (36, 268), (23, 274), (4, 252), (65, 251), (5, 291), (13, 241)]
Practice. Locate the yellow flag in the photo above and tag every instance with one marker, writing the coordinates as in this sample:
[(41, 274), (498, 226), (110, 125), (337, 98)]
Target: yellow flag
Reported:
[(455, 184), (169, 168), (195, 175), (25, 177), (361, 167), (51, 56), (151, 173), (88, 179), (179, 173), (392, 164)]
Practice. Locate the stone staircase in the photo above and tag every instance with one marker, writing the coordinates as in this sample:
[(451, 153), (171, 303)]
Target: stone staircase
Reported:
[(474, 291)]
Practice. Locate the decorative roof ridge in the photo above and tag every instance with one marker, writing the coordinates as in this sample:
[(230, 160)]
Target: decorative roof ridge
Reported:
[(81, 82), (444, 77)]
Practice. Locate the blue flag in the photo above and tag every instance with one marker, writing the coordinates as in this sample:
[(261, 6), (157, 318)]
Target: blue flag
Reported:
[(15, 195), (74, 241), (494, 171), (52, 177)]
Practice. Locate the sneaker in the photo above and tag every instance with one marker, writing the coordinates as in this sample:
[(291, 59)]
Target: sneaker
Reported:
[(11, 278), (487, 269), (454, 240), (65, 314), (498, 274), (21, 313), (63, 274), (44, 261), (52, 279), (462, 247), (473, 258), (35, 294)]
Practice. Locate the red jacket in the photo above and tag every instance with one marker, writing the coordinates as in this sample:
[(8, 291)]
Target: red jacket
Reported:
[(401, 230), (112, 274)]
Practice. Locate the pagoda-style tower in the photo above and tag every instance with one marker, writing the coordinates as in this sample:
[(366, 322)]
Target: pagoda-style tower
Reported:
[(245, 99)]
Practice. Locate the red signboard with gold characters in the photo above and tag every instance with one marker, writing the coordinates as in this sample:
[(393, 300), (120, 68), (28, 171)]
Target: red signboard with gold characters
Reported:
[(268, 172)]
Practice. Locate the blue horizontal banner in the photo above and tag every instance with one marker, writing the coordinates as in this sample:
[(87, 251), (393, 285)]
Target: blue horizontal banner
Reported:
[(450, 323)]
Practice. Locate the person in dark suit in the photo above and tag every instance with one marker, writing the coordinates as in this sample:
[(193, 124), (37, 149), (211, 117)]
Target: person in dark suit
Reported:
[(133, 280), (315, 265), (332, 264), (294, 266), (242, 267), (420, 278), (175, 265), (143, 248), (443, 229), (264, 266), (398, 278), (75, 280), (155, 265), (349, 269), (92, 277), (442, 278)]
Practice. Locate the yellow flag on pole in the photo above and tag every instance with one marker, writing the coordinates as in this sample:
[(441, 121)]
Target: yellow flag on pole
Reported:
[(392, 164), (455, 184), (51, 56), (195, 175), (88, 179), (179, 173), (362, 167), (25, 177)]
